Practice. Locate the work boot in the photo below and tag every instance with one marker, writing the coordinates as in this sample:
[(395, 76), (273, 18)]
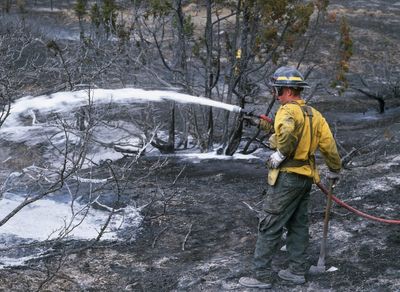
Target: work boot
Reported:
[(289, 276), (254, 283)]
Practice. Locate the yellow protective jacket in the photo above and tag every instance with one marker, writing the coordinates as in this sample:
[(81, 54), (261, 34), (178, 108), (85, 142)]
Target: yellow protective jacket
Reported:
[(293, 136)]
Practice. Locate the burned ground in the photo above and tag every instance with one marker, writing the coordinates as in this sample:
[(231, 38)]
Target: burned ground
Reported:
[(199, 233)]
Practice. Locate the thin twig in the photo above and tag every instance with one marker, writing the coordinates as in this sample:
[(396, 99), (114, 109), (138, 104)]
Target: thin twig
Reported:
[(179, 174), (250, 207), (158, 235), (187, 236)]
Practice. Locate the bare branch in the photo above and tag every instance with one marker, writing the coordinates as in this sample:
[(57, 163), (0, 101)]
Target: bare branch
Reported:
[(187, 236)]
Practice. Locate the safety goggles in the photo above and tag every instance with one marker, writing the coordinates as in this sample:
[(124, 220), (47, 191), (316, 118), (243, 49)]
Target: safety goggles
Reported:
[(276, 91)]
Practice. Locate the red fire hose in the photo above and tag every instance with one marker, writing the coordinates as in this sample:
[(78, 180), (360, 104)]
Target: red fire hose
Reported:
[(362, 214)]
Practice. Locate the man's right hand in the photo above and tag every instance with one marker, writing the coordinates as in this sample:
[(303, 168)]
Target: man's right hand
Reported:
[(266, 118), (275, 159)]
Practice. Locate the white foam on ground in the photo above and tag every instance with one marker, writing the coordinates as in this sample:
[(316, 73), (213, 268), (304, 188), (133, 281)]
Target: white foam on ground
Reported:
[(12, 262), (196, 157), (46, 219), (332, 269)]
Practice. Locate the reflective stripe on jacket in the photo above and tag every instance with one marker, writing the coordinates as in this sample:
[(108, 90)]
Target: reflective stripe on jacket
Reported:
[(289, 122)]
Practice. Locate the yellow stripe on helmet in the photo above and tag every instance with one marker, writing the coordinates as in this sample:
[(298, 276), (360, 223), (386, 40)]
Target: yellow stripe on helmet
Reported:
[(292, 78)]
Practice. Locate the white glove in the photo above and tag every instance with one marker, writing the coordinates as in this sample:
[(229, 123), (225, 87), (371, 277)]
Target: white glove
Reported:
[(276, 159)]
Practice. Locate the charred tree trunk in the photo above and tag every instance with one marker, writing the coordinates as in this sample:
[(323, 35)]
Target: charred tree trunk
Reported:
[(242, 60), (171, 132), (235, 138), (168, 146), (7, 6), (209, 80), (233, 76)]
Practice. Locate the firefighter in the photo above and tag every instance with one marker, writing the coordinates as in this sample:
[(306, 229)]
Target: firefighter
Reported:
[(299, 131)]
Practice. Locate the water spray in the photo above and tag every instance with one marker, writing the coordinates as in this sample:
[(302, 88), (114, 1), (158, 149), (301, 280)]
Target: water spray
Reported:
[(185, 98), (64, 100)]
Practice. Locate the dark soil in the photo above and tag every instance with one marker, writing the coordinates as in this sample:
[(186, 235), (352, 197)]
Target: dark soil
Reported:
[(199, 235)]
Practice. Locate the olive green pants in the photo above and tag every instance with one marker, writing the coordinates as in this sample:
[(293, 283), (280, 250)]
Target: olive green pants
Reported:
[(285, 205)]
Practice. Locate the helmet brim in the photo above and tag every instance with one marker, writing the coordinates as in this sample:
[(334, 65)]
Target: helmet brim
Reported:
[(292, 85)]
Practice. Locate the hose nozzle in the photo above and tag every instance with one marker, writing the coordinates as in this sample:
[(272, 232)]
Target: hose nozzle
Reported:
[(238, 109)]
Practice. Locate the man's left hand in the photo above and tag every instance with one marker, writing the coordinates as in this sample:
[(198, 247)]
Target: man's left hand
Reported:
[(252, 121), (333, 176), (276, 159)]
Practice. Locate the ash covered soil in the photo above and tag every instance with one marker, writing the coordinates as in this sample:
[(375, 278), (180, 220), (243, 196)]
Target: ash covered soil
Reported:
[(199, 233)]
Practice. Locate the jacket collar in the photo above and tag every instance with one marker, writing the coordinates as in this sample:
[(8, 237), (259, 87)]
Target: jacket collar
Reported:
[(300, 102)]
